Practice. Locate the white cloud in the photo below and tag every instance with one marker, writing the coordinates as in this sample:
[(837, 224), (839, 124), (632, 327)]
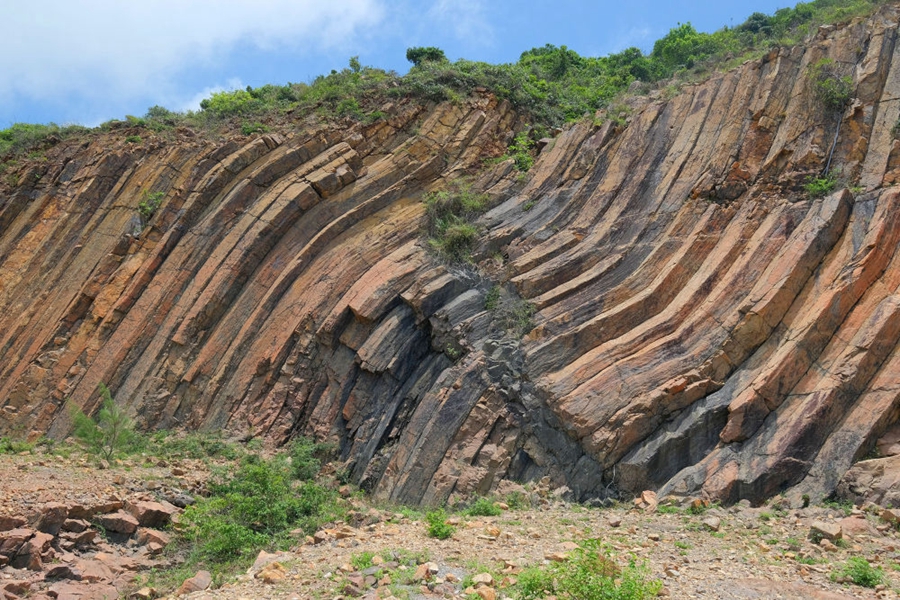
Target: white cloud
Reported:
[(466, 18), (111, 48)]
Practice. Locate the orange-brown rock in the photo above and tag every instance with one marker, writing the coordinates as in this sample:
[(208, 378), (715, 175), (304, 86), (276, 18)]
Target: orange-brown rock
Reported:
[(702, 327)]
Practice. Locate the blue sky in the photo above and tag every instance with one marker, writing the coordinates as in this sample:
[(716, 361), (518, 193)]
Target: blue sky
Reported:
[(88, 61)]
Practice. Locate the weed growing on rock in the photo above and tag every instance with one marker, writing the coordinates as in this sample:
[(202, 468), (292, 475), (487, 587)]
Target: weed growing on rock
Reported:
[(817, 187), (149, 203), (449, 215), (858, 570), (521, 151)]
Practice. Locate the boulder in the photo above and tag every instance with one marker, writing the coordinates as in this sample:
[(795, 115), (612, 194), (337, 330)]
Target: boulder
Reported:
[(51, 517), (118, 522), (152, 514), (197, 583)]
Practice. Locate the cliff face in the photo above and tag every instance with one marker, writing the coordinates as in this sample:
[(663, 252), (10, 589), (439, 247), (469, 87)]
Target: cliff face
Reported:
[(701, 325)]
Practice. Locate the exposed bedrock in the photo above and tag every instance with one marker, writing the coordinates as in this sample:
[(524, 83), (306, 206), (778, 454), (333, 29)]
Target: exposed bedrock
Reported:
[(701, 325)]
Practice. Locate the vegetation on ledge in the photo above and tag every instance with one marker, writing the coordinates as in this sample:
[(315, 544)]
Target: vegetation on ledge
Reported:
[(551, 84)]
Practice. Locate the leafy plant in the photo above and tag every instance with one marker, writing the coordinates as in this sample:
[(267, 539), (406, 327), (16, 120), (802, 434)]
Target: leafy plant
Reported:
[(305, 464), (11, 446), (484, 507), (589, 573), (858, 570), (133, 139), (833, 90), (149, 203), (492, 298), (111, 433), (521, 152), (816, 187), (254, 505), (419, 54), (449, 214), (437, 524), (248, 128)]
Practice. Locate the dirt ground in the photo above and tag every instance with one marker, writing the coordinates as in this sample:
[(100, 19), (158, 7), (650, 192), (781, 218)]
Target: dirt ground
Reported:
[(733, 552)]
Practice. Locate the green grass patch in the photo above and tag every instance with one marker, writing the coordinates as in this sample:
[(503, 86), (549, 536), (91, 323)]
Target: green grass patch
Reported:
[(858, 570), (484, 507), (591, 572)]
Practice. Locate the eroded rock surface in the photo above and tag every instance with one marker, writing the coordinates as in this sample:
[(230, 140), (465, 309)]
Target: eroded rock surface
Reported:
[(702, 326)]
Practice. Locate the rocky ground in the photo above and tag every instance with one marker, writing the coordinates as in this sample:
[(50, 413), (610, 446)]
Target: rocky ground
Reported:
[(53, 509)]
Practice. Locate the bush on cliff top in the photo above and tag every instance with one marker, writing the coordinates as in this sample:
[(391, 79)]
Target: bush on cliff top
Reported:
[(551, 84)]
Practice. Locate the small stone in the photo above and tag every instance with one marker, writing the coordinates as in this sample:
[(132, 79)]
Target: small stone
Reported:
[(486, 593), (197, 583), (615, 522), (483, 578), (272, 573), (827, 545), (712, 523), (829, 531), (653, 537), (119, 522)]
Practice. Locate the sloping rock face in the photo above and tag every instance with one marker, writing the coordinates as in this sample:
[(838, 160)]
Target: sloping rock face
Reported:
[(701, 325)]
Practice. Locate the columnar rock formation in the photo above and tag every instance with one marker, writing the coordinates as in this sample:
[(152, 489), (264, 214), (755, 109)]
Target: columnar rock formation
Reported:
[(701, 325)]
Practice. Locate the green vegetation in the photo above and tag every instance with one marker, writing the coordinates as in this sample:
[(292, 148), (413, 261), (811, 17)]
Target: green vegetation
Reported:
[(437, 524), (149, 203), (133, 139), (22, 138), (521, 152), (112, 432), (255, 505), (816, 187), (589, 573), (858, 570), (550, 85), (419, 55), (12, 446), (449, 215), (832, 90), (483, 507), (492, 298)]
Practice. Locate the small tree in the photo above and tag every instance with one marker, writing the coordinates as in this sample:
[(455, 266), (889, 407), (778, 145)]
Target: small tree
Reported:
[(420, 54), (112, 432)]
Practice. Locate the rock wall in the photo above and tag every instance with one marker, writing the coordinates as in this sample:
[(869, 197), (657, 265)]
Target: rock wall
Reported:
[(700, 326)]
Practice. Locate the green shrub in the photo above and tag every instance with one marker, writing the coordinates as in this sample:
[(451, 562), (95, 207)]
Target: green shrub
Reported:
[(133, 139), (817, 187), (520, 151), (11, 446), (590, 573), (248, 128), (21, 138), (113, 431), (438, 526), (483, 508), (418, 55), (192, 445), (304, 463), (832, 90), (254, 505), (492, 298), (858, 570), (449, 214), (149, 203)]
